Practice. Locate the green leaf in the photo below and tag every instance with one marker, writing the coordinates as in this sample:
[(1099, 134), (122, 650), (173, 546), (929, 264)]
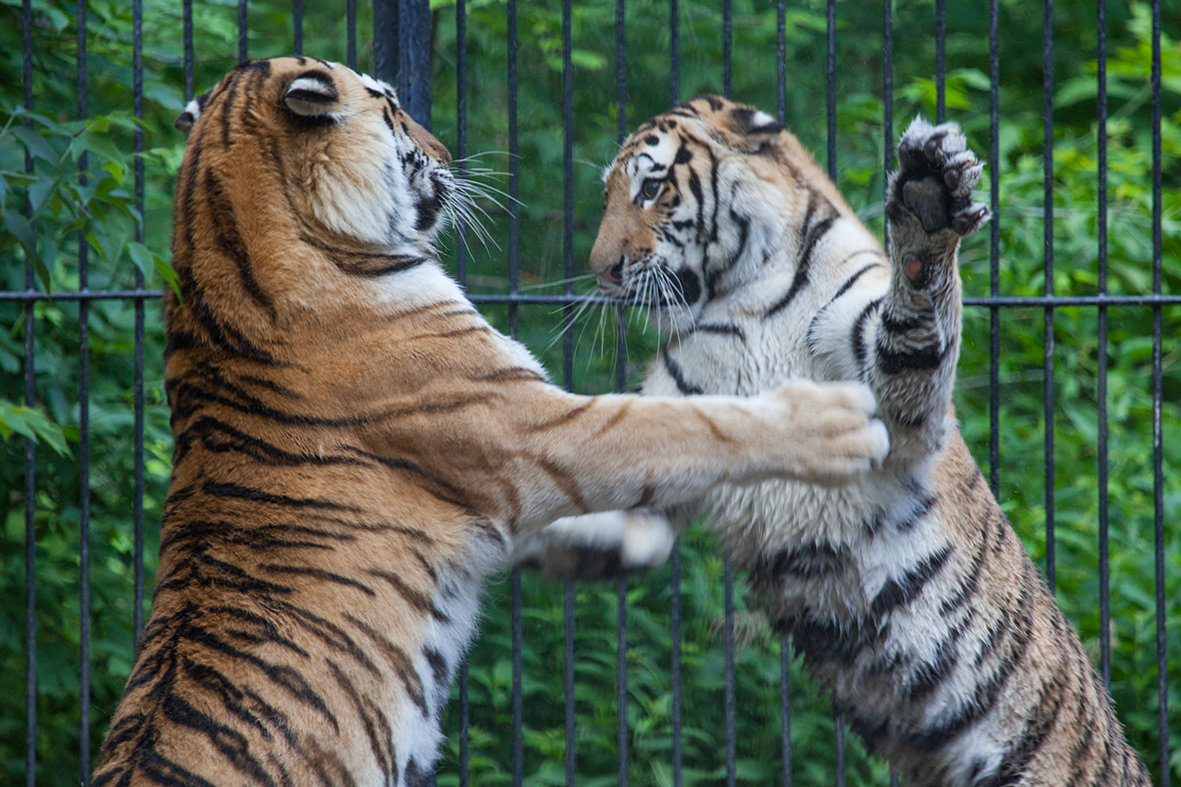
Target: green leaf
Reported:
[(36, 144), (142, 257), (40, 192), (20, 227), (33, 424)]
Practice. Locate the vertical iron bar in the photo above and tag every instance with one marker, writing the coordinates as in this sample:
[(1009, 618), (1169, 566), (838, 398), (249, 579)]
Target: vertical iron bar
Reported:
[(675, 561), (994, 314), (621, 639), (1101, 359), (243, 26), (1158, 480), (464, 733), (568, 341), (297, 24), (940, 60), (839, 726), (781, 68), (351, 25), (781, 60), (728, 668), (728, 608), (461, 136), (138, 502), (785, 705), (1048, 319), (674, 47), (727, 48), (513, 229), (30, 446), (83, 432), (888, 84), (188, 24), (831, 79)]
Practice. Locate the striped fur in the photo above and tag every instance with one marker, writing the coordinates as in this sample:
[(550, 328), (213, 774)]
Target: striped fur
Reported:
[(355, 447), (908, 592)]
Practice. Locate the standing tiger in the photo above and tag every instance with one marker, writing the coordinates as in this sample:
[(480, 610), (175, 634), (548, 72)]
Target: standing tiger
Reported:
[(355, 447), (908, 592)]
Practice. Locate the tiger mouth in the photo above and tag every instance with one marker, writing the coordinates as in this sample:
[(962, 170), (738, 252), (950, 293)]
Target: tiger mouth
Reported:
[(429, 207), (657, 286)]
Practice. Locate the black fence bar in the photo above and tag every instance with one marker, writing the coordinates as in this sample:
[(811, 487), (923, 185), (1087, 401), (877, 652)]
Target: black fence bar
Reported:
[(83, 433), (461, 277), (831, 85), (1158, 480), (30, 445), (137, 68), (940, 60), (994, 247), (1101, 360), (568, 348), (351, 25), (1048, 315), (514, 318), (187, 11), (621, 638), (728, 702), (243, 28), (781, 116), (674, 88), (297, 26)]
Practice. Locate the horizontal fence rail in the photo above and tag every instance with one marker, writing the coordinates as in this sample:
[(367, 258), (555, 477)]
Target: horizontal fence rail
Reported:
[(401, 46)]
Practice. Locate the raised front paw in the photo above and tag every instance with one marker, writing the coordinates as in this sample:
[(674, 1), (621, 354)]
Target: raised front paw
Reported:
[(836, 437), (934, 182)]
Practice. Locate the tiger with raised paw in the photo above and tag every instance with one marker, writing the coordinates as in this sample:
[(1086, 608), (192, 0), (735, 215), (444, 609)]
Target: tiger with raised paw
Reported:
[(356, 447), (907, 592)]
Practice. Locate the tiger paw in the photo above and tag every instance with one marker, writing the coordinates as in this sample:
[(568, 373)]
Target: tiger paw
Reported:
[(937, 172), (598, 546)]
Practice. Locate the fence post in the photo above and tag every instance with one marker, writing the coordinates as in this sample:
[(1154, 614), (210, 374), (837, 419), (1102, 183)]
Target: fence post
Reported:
[(402, 52)]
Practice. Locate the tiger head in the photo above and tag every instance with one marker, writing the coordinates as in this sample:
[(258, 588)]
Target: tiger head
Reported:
[(333, 145), (697, 200)]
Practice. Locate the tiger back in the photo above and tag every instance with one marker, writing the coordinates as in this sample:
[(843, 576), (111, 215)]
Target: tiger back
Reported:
[(355, 447), (907, 592)]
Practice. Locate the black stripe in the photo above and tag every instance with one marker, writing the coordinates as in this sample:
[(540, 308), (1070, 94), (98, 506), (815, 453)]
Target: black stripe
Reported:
[(231, 743), (380, 741), (859, 349), (808, 561), (674, 370), (220, 489), (318, 573), (922, 359), (415, 598), (722, 329), (896, 593)]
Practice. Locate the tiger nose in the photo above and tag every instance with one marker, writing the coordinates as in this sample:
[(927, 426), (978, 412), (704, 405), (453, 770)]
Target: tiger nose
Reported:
[(614, 274)]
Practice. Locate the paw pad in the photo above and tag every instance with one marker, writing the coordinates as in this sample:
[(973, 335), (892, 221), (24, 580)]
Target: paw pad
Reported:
[(936, 177)]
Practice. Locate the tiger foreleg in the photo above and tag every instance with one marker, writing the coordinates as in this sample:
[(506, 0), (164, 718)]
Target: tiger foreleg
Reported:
[(913, 351)]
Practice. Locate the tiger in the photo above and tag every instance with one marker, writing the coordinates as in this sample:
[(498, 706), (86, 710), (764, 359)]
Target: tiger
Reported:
[(356, 447), (907, 592)]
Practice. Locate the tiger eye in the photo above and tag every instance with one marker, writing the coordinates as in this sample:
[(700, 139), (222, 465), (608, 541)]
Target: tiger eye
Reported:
[(650, 189)]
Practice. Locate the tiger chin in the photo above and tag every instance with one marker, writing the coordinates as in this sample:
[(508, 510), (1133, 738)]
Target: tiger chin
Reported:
[(356, 447), (907, 592)]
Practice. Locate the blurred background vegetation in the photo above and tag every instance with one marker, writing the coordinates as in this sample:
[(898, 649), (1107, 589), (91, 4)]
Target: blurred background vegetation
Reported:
[(104, 208)]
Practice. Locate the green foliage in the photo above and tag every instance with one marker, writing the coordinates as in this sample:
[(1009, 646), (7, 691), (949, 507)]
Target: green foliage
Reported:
[(99, 211)]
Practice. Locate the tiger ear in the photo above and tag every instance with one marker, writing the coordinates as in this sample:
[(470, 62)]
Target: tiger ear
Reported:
[(185, 120), (755, 127), (312, 95)]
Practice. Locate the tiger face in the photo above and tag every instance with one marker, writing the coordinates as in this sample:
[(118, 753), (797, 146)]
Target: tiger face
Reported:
[(355, 167), (696, 199)]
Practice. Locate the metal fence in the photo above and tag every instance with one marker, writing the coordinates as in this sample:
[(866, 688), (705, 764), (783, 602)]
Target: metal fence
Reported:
[(402, 55)]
